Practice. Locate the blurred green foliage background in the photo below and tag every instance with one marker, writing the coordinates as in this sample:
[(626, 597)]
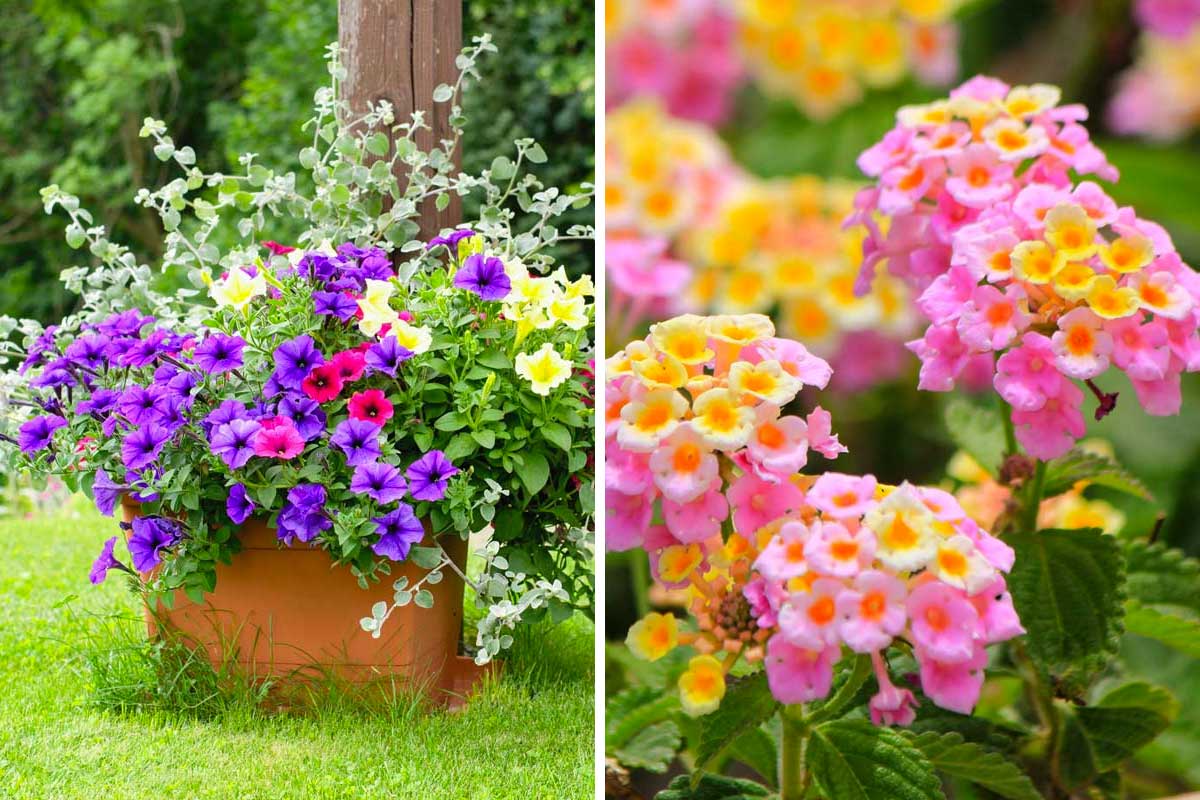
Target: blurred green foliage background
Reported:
[(233, 76)]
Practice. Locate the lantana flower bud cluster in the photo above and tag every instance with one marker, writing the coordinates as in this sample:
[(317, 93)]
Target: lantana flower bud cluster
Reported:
[(695, 425), (1039, 280)]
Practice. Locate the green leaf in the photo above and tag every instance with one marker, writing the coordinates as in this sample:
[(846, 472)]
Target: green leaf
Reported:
[(536, 154), (535, 471), (951, 754), (855, 760), (1179, 633), (1067, 588), (712, 787), (495, 359), (756, 749), (378, 144), (652, 748), (442, 93), (424, 598), (977, 430), (747, 704), (1095, 739), (556, 434), (1079, 465), (485, 439), (425, 557), (451, 421), (628, 712), (1160, 575)]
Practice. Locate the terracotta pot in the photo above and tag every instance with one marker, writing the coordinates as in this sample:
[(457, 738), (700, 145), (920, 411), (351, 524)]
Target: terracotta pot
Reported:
[(289, 614)]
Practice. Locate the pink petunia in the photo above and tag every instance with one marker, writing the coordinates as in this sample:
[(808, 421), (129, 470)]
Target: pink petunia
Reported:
[(796, 674), (944, 623), (872, 612), (278, 438)]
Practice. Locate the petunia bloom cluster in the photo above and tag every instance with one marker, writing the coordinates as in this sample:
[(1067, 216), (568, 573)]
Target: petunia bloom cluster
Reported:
[(822, 55), (1035, 279), (853, 568)]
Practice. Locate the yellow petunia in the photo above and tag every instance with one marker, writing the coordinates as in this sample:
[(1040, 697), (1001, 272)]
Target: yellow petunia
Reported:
[(545, 369), (237, 289)]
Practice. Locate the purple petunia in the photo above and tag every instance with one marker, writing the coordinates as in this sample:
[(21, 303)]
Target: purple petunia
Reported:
[(303, 516), (358, 439), (450, 240), (38, 433), (56, 373), (106, 492), (305, 414), (104, 562), (42, 345), (238, 506), (141, 447), (386, 356), (144, 352), (90, 351), (485, 276), (228, 411), (294, 359), (428, 476), (381, 482), (219, 354), (334, 304), (151, 535), (139, 404), (126, 323), (233, 442), (99, 404), (398, 532)]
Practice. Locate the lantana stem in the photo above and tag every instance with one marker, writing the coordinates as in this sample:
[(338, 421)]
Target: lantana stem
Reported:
[(1034, 501), (792, 778)]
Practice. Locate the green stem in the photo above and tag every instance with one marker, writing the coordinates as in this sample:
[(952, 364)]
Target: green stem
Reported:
[(1034, 502), (640, 569), (792, 778), (1010, 433)]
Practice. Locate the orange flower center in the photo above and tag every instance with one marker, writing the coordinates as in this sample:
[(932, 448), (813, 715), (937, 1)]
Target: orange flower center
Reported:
[(872, 606), (822, 610), (771, 436), (687, 457)]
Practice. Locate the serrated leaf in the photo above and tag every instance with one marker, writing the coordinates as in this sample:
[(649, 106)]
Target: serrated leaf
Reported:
[(1095, 739), (1067, 589), (956, 757), (712, 787), (977, 430), (651, 748), (748, 703), (855, 760), (1177, 632), (1159, 575), (756, 749), (1079, 465), (628, 712)]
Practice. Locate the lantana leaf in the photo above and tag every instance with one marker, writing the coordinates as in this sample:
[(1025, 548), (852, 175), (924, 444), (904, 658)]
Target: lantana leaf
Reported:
[(652, 748), (1177, 632), (747, 704), (1079, 465), (1068, 588), (977, 430), (954, 756), (855, 760), (1160, 575), (1094, 739)]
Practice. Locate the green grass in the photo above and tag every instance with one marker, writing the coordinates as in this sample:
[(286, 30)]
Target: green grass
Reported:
[(70, 654)]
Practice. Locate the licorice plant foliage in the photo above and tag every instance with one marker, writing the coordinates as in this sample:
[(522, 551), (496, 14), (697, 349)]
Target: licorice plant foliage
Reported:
[(346, 388)]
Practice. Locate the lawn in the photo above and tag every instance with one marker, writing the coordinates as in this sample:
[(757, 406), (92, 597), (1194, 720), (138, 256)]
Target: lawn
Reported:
[(528, 736)]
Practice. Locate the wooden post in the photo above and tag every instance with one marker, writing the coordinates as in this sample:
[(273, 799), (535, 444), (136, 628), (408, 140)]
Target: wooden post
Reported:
[(400, 50)]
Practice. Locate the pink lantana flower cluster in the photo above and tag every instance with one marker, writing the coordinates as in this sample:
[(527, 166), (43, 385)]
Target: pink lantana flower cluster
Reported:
[(695, 427), (1042, 281), (859, 565), (682, 52)]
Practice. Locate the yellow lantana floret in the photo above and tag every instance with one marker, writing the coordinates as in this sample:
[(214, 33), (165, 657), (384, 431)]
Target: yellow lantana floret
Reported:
[(684, 337), (653, 636), (702, 686)]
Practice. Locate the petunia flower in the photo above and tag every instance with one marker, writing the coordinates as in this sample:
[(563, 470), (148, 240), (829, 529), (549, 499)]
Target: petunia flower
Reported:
[(371, 406), (141, 447), (398, 531), (379, 481), (484, 276), (106, 492), (104, 562), (295, 359), (38, 433), (219, 354), (277, 438), (545, 369), (238, 505), (323, 383), (150, 536), (428, 475), (386, 356), (358, 440), (233, 442)]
